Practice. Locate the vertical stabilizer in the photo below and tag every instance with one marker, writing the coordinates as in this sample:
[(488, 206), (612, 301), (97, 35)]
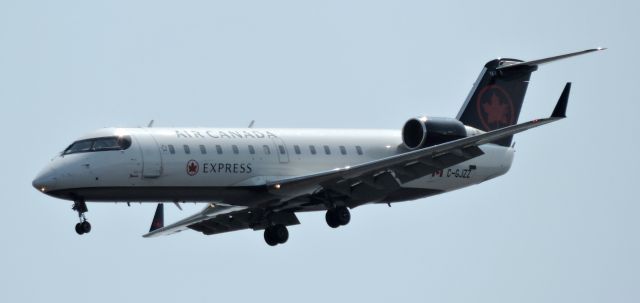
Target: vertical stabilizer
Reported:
[(496, 98)]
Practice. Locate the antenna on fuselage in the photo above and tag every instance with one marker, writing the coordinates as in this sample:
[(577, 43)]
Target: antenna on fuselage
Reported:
[(251, 124), (150, 125)]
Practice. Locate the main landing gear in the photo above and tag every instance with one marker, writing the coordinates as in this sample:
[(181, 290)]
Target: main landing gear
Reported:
[(276, 234), (82, 227), (338, 216)]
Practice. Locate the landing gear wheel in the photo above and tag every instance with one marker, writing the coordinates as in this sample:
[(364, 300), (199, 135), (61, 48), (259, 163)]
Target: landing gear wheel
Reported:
[(332, 221), (268, 237), (86, 227), (277, 234), (79, 229), (281, 233), (343, 216), (338, 216)]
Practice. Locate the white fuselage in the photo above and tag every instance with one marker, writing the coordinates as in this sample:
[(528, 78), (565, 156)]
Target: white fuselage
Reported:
[(209, 165)]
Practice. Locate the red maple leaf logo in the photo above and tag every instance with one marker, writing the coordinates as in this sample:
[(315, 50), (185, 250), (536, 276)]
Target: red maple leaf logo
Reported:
[(192, 167), (496, 110)]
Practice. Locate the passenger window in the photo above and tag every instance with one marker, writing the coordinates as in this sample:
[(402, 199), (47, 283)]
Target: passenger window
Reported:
[(343, 150), (187, 150), (235, 149), (252, 150), (267, 150), (296, 149), (219, 149), (203, 150), (359, 150), (327, 150), (282, 150), (312, 149), (172, 150)]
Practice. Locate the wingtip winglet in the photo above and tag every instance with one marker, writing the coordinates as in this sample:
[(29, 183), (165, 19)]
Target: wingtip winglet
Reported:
[(158, 218), (560, 111)]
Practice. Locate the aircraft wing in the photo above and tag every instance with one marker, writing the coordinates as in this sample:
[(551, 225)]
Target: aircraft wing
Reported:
[(215, 219), (355, 182), (407, 166)]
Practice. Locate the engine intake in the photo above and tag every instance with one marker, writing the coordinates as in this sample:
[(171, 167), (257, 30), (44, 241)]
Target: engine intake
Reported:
[(427, 131)]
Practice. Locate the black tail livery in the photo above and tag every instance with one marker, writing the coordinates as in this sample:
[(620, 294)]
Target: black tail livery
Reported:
[(496, 97)]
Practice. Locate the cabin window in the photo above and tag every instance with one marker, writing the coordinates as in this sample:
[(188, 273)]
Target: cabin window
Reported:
[(343, 150), (296, 148), (267, 150), (252, 150), (203, 150), (282, 150), (172, 150), (327, 150), (235, 149), (359, 149), (187, 150), (312, 149), (219, 149)]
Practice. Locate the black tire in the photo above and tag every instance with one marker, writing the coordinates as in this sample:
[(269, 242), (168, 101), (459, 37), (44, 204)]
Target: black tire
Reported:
[(79, 229), (342, 215), (86, 227), (269, 238), (280, 233), (332, 221)]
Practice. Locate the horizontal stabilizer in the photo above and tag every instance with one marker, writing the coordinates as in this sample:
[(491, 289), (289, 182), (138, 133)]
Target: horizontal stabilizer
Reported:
[(550, 59)]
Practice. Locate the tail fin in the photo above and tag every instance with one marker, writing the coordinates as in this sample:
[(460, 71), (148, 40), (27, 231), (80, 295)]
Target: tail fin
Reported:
[(158, 218), (496, 98)]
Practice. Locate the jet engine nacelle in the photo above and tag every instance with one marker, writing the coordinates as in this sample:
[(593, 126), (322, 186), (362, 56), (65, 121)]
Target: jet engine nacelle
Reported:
[(427, 131)]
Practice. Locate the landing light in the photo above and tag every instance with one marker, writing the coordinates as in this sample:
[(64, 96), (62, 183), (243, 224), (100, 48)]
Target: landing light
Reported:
[(277, 186), (42, 189)]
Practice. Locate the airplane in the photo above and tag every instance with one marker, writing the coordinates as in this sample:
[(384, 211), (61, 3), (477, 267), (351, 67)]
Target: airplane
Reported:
[(259, 178)]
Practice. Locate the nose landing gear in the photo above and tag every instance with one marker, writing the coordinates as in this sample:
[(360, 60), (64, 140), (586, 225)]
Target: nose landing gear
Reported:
[(82, 227)]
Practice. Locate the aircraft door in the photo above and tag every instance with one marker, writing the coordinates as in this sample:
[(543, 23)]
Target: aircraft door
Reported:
[(281, 150), (151, 157)]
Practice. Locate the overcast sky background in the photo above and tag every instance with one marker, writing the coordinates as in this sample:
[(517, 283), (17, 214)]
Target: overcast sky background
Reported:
[(561, 226)]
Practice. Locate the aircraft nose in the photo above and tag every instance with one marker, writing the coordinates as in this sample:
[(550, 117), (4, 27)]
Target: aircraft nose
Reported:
[(44, 181)]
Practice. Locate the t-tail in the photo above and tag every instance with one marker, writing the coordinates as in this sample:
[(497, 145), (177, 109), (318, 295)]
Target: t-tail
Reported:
[(496, 97)]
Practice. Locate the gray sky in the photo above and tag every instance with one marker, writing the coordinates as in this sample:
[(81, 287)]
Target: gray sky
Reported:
[(561, 226)]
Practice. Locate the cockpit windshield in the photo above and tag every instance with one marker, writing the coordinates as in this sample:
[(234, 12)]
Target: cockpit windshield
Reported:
[(99, 144)]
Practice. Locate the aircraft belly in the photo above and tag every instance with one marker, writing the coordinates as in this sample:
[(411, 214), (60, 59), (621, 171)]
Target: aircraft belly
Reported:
[(243, 196)]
